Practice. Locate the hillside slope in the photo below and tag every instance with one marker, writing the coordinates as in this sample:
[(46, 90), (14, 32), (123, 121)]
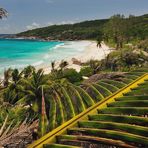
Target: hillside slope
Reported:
[(85, 30), (78, 31)]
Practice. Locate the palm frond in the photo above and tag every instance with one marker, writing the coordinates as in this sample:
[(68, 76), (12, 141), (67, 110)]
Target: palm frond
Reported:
[(4, 125), (3, 13)]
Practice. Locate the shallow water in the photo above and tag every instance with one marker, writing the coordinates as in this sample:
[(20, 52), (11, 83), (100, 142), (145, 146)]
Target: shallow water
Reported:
[(16, 53)]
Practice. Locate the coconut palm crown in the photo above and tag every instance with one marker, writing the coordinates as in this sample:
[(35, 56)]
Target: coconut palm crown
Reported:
[(3, 13)]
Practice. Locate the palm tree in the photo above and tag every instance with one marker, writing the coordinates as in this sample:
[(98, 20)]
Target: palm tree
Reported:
[(99, 44), (99, 41), (11, 93), (58, 98), (63, 65), (32, 90), (16, 75), (3, 13), (94, 65), (53, 66), (28, 71)]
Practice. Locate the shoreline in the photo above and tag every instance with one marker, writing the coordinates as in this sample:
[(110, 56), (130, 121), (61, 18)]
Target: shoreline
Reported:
[(91, 51), (84, 50)]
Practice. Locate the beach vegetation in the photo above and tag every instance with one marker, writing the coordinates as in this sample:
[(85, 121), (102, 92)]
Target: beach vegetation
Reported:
[(143, 44), (86, 71), (66, 94), (115, 29), (7, 76), (22, 99), (72, 75)]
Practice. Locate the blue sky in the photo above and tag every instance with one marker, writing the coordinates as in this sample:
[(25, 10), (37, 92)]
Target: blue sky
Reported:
[(28, 14)]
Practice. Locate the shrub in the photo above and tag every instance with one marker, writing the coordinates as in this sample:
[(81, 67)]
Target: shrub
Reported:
[(86, 71), (143, 45), (72, 75), (130, 59)]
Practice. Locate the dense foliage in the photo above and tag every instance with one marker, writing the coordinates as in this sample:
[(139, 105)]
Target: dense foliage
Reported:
[(137, 28), (64, 91), (79, 31), (120, 30), (21, 99), (120, 123)]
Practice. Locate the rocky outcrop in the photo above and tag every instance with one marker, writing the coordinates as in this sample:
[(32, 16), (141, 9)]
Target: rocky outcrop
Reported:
[(76, 61)]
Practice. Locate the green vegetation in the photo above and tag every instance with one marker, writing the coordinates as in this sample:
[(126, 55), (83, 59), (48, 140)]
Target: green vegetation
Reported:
[(86, 71), (127, 35), (110, 87), (143, 45), (87, 140), (122, 118), (121, 124), (22, 95), (115, 83), (137, 29), (78, 31)]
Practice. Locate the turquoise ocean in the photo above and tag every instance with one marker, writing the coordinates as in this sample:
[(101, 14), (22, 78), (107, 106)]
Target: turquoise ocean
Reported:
[(16, 53)]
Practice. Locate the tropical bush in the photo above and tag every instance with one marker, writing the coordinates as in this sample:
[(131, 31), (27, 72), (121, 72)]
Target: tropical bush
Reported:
[(143, 45), (30, 95), (86, 71), (72, 75)]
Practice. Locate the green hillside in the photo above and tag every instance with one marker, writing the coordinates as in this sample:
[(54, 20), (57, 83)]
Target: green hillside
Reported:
[(78, 31), (87, 30)]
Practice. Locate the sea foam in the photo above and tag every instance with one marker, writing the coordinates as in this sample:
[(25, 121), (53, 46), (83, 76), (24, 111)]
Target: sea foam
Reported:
[(20, 53)]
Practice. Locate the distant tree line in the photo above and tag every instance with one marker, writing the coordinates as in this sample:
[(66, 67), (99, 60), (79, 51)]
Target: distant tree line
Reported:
[(123, 30)]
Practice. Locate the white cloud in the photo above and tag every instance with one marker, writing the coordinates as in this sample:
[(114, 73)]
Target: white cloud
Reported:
[(50, 24), (59, 23), (33, 26), (66, 22)]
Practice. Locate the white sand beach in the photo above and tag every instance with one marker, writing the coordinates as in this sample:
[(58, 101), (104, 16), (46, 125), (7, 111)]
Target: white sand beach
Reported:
[(71, 51), (91, 51)]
